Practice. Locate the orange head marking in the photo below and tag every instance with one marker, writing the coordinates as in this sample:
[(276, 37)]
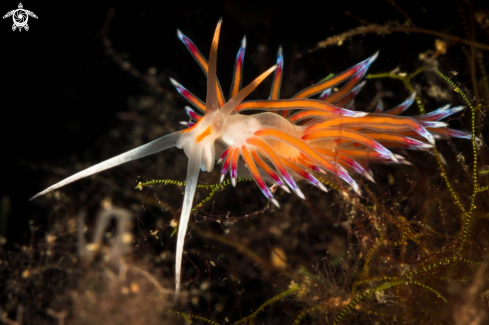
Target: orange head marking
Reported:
[(204, 134)]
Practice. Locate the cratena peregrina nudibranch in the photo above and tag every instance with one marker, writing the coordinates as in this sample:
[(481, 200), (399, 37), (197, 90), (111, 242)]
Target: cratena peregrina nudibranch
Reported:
[(290, 140)]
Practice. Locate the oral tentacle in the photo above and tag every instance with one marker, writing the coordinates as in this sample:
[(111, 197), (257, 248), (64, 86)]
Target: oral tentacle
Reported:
[(160, 144)]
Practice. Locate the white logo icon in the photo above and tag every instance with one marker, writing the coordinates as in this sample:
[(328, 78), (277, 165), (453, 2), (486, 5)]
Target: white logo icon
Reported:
[(20, 17)]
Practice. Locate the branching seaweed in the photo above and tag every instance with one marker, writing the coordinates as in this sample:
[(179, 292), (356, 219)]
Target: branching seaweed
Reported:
[(212, 187), (436, 264)]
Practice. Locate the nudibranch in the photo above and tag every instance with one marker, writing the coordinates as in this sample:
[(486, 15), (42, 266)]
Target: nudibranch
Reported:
[(291, 140)]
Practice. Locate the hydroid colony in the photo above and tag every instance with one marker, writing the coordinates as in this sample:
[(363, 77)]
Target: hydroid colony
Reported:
[(291, 140)]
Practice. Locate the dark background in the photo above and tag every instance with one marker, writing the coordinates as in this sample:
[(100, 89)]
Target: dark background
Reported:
[(64, 97), (61, 92)]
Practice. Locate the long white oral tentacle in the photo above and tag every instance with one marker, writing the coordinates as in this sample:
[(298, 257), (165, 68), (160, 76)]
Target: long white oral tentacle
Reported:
[(160, 144)]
